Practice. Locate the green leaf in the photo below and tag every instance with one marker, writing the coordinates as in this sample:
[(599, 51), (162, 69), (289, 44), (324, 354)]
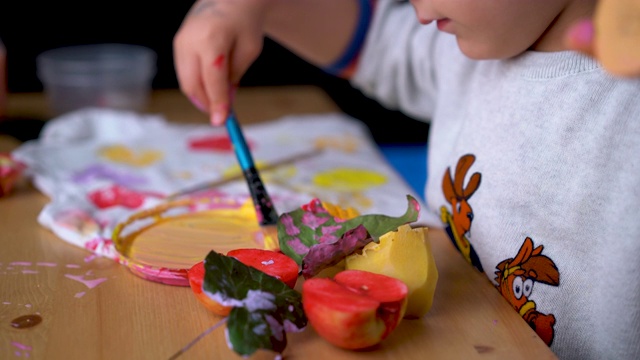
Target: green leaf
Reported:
[(312, 224), (249, 331), (259, 301)]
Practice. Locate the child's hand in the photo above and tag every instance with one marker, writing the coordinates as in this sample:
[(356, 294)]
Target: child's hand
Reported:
[(215, 45), (612, 37)]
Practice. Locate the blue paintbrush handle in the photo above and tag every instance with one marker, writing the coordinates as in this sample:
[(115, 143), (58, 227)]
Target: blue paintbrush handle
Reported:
[(265, 210), (239, 143)]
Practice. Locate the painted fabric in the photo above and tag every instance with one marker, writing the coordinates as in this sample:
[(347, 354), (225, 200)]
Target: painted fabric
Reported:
[(100, 166)]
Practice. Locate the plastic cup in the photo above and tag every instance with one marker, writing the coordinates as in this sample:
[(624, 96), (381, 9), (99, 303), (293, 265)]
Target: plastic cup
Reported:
[(101, 75)]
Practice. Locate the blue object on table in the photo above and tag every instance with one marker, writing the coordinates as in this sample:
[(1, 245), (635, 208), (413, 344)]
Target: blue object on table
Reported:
[(265, 210), (410, 160)]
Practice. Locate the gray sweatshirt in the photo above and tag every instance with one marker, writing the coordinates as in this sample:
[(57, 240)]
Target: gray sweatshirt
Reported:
[(534, 172)]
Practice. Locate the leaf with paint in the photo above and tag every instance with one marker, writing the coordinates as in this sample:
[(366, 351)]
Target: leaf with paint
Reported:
[(264, 308), (321, 256), (312, 224)]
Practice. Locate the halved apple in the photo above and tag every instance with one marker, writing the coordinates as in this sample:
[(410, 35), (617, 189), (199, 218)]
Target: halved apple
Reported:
[(356, 309), (273, 263), (270, 262), (406, 255)]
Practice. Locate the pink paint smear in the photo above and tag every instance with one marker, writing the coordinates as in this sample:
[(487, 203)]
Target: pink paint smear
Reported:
[(24, 349), (47, 264), (89, 283), (20, 263)]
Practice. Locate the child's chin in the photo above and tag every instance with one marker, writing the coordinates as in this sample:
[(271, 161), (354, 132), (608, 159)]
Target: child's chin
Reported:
[(476, 51)]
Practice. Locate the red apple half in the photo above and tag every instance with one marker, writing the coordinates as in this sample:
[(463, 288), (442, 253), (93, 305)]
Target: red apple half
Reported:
[(272, 263), (356, 309)]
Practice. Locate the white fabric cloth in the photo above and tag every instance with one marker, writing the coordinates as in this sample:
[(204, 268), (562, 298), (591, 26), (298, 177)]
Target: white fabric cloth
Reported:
[(100, 166), (555, 142)]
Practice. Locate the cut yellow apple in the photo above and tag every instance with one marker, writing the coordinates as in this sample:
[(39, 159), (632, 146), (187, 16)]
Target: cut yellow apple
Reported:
[(406, 255)]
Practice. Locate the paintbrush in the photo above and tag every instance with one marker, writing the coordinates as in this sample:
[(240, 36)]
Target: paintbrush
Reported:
[(265, 211), (235, 176)]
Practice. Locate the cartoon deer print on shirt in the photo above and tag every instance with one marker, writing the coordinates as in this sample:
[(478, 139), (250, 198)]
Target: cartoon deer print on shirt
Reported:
[(515, 278), (458, 221)]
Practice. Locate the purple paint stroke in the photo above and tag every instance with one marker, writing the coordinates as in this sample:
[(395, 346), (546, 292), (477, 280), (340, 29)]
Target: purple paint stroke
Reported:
[(313, 221), (6, 303), (20, 263), (80, 294), (47, 264), (289, 226), (329, 234), (90, 258), (72, 266), (88, 283), (29, 271), (101, 171), (21, 346), (298, 246)]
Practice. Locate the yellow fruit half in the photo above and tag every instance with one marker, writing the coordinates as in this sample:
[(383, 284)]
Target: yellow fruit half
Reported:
[(406, 255)]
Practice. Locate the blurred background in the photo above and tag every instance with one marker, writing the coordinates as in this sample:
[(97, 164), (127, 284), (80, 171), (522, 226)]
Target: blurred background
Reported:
[(28, 28)]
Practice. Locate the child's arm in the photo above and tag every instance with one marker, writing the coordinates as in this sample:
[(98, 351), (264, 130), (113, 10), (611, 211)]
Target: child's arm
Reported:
[(219, 39)]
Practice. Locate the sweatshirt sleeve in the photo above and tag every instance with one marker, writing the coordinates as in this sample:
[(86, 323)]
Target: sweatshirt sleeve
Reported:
[(395, 66), (345, 65)]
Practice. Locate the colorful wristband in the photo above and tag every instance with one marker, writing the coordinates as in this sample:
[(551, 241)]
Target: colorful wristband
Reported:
[(352, 51)]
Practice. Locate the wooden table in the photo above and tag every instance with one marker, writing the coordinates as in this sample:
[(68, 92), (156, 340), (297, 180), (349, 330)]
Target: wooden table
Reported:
[(126, 317)]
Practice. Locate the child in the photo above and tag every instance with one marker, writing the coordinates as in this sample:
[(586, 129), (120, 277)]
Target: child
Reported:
[(533, 167)]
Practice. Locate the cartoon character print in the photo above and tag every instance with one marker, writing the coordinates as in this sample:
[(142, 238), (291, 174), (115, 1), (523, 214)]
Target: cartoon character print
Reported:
[(458, 221), (516, 277)]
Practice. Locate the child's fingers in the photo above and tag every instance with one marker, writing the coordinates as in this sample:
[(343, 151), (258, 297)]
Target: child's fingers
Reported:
[(190, 80), (215, 78), (580, 37), (244, 56), (617, 39)]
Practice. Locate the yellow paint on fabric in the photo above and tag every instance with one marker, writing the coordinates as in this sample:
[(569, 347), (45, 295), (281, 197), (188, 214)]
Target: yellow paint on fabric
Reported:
[(348, 144), (281, 172), (124, 155), (347, 179)]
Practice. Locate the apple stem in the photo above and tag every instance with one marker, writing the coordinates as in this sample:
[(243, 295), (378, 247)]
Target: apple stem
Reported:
[(194, 341)]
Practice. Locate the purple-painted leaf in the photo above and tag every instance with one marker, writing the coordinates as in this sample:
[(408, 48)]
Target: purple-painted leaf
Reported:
[(312, 224), (321, 256)]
